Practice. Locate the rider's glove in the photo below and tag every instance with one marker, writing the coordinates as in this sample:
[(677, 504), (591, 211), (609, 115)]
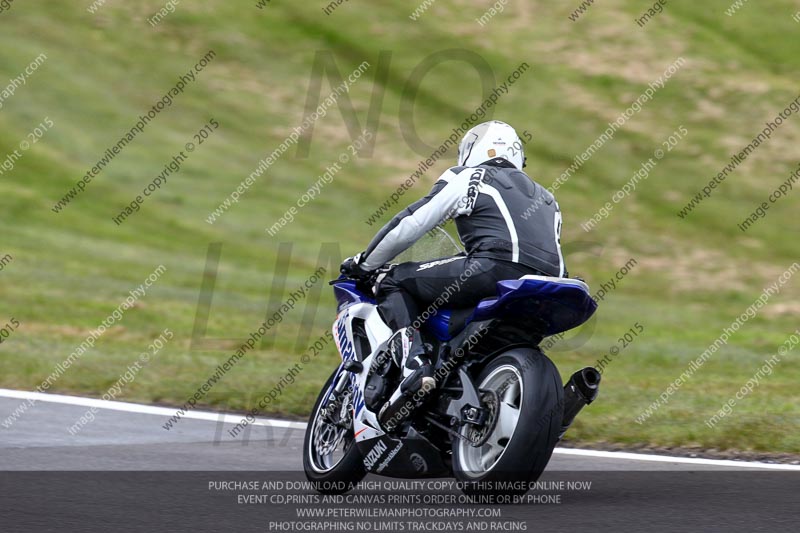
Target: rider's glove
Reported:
[(351, 267)]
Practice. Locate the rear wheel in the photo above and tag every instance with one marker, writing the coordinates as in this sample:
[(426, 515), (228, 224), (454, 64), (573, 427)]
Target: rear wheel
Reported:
[(331, 459), (522, 393)]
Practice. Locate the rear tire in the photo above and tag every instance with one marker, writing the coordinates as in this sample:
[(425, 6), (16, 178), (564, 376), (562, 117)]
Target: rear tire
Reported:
[(328, 473), (528, 391)]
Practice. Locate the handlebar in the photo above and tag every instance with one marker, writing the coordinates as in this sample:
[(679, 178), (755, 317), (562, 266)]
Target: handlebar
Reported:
[(341, 280)]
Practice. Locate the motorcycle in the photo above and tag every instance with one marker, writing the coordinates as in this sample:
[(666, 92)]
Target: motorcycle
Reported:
[(499, 407)]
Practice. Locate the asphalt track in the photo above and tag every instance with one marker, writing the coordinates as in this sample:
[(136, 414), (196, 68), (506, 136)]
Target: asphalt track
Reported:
[(125, 472)]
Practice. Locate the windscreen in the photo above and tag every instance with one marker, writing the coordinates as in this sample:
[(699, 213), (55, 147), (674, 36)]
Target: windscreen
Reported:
[(435, 244)]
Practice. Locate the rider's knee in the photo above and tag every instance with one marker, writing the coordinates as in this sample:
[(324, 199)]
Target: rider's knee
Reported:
[(389, 284)]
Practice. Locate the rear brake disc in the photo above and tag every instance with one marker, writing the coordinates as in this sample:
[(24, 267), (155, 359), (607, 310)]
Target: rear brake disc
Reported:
[(478, 435)]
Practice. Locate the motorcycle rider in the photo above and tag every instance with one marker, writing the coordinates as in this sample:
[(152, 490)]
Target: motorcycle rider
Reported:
[(510, 227)]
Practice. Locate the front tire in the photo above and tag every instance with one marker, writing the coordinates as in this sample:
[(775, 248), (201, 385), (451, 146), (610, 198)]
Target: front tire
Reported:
[(331, 459), (525, 397)]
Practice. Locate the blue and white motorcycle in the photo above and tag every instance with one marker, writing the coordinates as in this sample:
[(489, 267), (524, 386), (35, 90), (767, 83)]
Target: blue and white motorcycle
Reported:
[(499, 407)]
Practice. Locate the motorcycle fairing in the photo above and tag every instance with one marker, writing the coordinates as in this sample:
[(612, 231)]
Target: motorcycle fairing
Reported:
[(412, 457), (346, 294), (378, 333)]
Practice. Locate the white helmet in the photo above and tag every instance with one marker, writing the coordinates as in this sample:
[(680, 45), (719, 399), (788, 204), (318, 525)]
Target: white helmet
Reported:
[(489, 140)]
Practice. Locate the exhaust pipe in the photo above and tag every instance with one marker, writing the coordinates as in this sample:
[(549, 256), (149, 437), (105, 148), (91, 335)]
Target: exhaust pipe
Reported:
[(580, 390)]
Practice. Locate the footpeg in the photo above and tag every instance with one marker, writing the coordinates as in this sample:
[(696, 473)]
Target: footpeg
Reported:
[(581, 390), (414, 391), (417, 380), (353, 366)]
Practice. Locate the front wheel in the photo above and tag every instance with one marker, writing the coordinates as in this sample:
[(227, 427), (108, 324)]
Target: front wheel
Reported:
[(522, 393), (331, 459)]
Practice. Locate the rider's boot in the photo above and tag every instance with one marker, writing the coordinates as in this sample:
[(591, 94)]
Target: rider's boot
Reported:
[(412, 355)]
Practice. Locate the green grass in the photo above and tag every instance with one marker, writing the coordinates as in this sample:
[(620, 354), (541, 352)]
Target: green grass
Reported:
[(695, 276)]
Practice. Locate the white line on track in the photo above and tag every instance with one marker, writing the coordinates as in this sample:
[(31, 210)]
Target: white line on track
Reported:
[(272, 422), (674, 459), (144, 409)]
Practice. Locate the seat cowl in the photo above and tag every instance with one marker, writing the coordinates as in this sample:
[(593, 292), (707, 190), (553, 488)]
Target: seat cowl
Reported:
[(550, 304), (572, 282)]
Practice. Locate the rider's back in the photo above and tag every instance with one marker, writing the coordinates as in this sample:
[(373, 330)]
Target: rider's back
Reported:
[(513, 219)]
